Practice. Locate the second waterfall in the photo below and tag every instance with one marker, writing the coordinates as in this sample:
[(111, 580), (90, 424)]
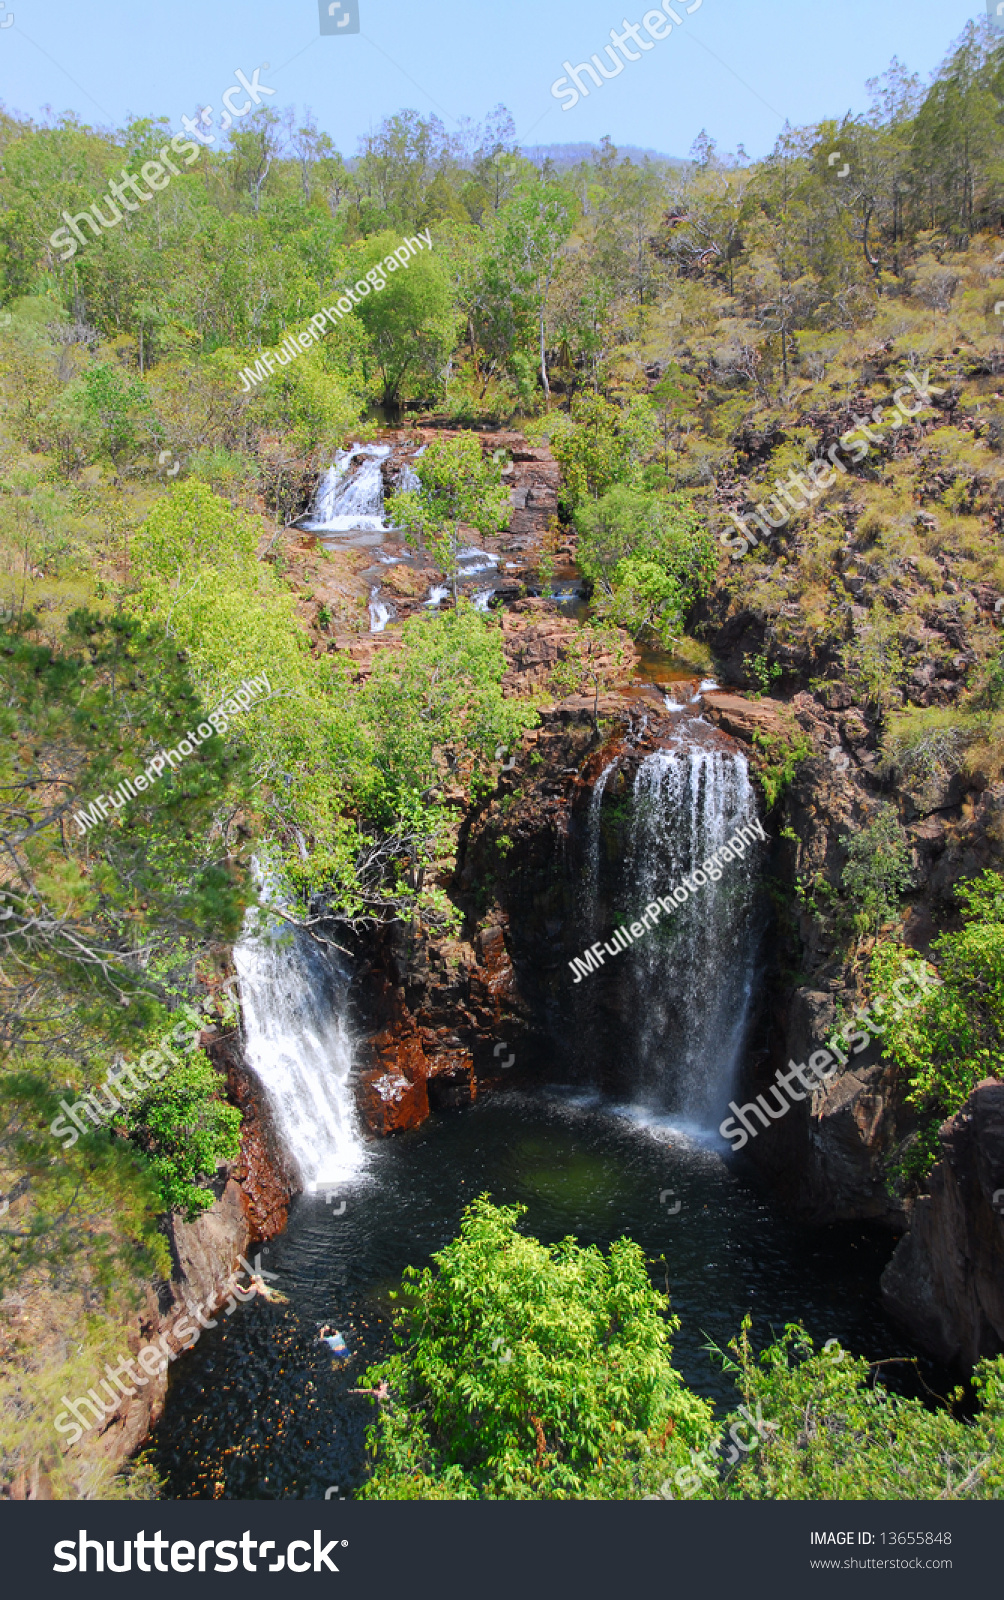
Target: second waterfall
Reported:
[(680, 997)]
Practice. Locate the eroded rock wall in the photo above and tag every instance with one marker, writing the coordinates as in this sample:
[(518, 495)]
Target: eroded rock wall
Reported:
[(945, 1281)]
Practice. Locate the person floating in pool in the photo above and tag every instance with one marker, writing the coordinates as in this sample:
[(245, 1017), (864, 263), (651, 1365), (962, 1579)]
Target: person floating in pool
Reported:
[(334, 1341), (261, 1287)]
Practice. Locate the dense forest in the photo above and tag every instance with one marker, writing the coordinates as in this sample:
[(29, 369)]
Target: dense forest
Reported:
[(774, 392)]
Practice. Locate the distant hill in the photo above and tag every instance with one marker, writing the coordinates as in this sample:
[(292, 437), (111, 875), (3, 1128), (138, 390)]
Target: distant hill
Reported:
[(569, 155)]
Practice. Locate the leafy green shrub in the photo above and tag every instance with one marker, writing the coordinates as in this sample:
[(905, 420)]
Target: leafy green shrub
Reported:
[(956, 1038), (649, 556), (530, 1372), (185, 1128), (600, 444), (832, 1431), (781, 759), (762, 670), (879, 870)]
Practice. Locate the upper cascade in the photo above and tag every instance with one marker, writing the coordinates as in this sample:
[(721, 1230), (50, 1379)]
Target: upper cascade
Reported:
[(350, 496)]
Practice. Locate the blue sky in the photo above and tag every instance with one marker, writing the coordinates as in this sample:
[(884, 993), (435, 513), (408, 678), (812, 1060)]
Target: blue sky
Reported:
[(735, 67)]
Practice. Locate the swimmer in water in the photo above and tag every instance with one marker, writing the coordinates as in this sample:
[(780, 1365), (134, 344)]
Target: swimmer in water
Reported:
[(259, 1285), (334, 1341)]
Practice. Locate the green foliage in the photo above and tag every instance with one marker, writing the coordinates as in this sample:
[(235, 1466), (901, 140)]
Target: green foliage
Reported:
[(874, 659), (529, 1372), (956, 1038), (762, 670), (459, 487), (191, 527), (97, 937), (110, 413), (832, 1431), (441, 695), (185, 1128), (650, 557), (879, 870), (599, 444), (411, 322), (781, 758)]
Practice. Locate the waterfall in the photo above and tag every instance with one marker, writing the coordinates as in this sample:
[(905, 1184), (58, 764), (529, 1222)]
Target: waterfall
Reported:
[(592, 879), (482, 599), (349, 500), (471, 560), (379, 612), (296, 1041), (684, 989)]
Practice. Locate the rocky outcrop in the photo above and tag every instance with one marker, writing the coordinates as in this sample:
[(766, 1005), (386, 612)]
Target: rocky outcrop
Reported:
[(205, 1254), (266, 1186), (440, 1004), (536, 641), (945, 1281)]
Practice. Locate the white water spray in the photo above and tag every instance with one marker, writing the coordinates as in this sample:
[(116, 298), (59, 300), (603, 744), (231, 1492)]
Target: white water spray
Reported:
[(296, 1041)]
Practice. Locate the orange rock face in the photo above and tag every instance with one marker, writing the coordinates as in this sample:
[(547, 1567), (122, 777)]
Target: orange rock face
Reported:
[(390, 1102)]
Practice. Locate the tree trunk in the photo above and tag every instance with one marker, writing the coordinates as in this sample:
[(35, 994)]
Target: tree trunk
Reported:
[(543, 360)]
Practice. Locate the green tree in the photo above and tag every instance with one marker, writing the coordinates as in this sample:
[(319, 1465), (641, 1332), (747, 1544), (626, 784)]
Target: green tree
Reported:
[(649, 557), (879, 869), (109, 411), (829, 1429), (529, 1372), (411, 322), (459, 487), (533, 229), (945, 1046), (186, 1129), (599, 444)]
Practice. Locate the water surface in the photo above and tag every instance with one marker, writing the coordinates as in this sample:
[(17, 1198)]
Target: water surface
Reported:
[(260, 1411)]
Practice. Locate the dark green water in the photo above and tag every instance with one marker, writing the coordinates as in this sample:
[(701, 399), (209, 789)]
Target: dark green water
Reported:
[(259, 1410)]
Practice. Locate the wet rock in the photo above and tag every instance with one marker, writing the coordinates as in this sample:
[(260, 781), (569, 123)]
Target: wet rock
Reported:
[(391, 1102)]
